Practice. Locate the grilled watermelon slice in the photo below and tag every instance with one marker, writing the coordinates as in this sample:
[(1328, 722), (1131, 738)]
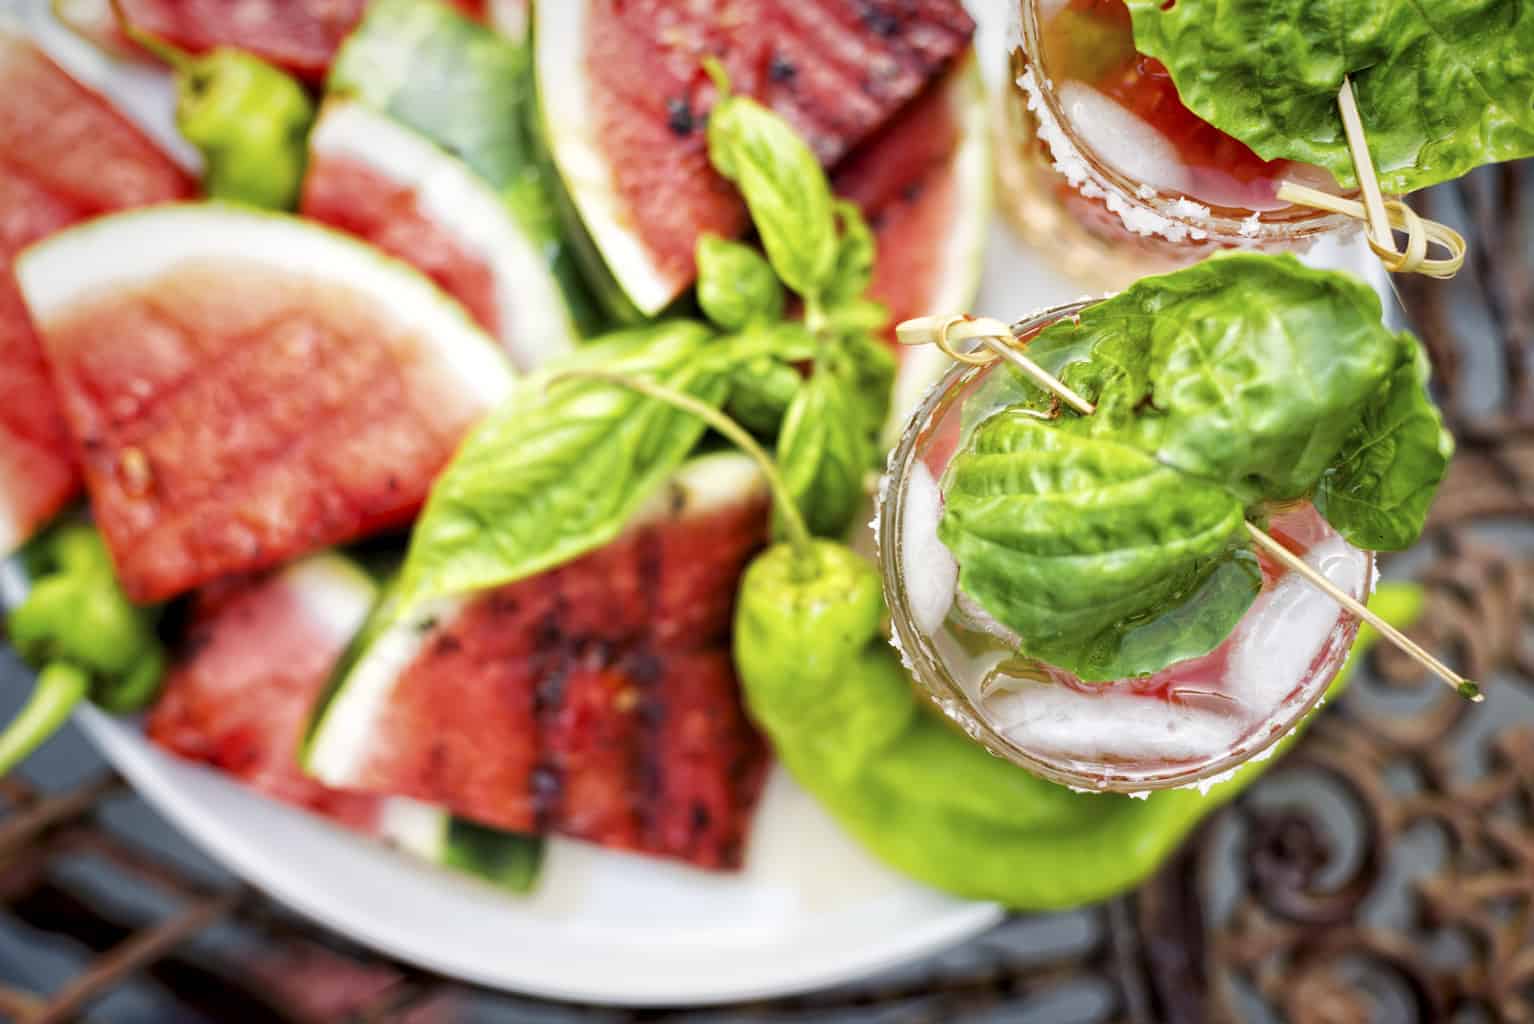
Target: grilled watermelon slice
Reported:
[(255, 660), (624, 102), (65, 155), (596, 700), (246, 388), (376, 179)]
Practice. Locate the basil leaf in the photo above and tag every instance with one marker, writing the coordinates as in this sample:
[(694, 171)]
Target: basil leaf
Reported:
[(868, 367), (823, 451), (855, 252), (784, 187), (1378, 495), (1246, 370), (1443, 86), (736, 286), (1082, 545), (761, 392), (559, 468)]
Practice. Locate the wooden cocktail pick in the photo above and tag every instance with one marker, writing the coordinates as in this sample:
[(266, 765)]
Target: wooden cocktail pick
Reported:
[(1382, 215), (998, 342)]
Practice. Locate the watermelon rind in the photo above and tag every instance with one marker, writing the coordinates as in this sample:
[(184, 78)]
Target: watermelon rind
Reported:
[(963, 247), (559, 43), (506, 860), (134, 248), (450, 194), (340, 739)]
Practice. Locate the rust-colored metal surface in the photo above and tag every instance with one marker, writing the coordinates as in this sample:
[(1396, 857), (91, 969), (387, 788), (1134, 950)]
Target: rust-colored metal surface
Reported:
[(1384, 871)]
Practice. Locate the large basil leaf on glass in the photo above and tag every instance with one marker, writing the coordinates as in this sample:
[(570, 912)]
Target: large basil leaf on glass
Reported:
[(1247, 370), (561, 466), (1088, 548), (1443, 85), (1378, 495)]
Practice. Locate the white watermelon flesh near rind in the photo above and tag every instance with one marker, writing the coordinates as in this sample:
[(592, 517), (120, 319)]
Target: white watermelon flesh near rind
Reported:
[(535, 325), (339, 746)]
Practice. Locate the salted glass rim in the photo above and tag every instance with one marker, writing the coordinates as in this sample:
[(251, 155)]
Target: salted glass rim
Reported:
[(930, 673), (1224, 224)]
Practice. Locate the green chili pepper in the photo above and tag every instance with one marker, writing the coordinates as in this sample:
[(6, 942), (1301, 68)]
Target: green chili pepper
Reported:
[(79, 628), (923, 797), (249, 120)]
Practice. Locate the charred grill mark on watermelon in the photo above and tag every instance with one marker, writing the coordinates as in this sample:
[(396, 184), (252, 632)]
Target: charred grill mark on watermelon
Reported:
[(835, 69), (65, 155), (596, 700)]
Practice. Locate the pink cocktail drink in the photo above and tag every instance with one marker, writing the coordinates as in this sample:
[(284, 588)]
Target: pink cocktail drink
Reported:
[(1101, 153), (1192, 721)]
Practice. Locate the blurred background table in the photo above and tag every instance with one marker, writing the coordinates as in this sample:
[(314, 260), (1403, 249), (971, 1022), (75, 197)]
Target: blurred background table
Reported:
[(1384, 871)]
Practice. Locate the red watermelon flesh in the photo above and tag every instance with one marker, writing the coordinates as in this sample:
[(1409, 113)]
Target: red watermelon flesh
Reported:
[(903, 181), (836, 69), (255, 660), (597, 700), (299, 35), (357, 199), (65, 155), (232, 417)]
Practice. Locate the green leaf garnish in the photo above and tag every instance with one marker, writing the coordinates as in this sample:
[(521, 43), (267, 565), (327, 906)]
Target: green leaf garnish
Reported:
[(1377, 495), (823, 451), (736, 286), (1243, 380), (557, 471), (1443, 85), (784, 187), (1072, 542)]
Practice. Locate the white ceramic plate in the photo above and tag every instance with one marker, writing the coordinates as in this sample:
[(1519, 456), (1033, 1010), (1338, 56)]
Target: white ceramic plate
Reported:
[(809, 910)]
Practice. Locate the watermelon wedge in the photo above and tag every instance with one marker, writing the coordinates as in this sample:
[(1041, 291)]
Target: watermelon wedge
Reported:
[(597, 700), (372, 177), (256, 658), (247, 387), (65, 155), (924, 184), (624, 102)]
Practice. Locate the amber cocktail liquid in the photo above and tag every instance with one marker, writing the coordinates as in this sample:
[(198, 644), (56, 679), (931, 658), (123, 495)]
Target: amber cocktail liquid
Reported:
[(1103, 166), (1190, 722)]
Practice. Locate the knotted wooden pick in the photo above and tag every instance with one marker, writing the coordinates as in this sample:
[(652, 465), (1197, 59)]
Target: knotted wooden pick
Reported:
[(1382, 215)]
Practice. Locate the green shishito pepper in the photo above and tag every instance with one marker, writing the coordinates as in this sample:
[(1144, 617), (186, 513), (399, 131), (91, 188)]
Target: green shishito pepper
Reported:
[(824, 684), (88, 640), (822, 681), (249, 120)]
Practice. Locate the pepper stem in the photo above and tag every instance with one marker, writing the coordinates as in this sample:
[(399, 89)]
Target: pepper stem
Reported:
[(798, 533), (60, 686), (1464, 687), (179, 60)]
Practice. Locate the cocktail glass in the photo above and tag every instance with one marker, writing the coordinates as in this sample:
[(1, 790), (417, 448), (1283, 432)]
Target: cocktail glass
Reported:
[(1102, 165), (1192, 722)]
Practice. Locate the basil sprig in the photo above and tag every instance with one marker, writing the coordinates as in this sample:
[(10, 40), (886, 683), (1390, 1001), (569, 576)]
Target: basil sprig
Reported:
[(822, 249), (1241, 381), (561, 467), (1443, 86)]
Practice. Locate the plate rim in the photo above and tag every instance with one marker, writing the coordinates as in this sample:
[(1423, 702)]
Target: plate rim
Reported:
[(132, 755)]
